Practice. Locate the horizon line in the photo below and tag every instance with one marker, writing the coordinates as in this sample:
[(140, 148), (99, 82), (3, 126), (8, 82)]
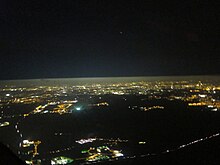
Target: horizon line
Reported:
[(106, 77)]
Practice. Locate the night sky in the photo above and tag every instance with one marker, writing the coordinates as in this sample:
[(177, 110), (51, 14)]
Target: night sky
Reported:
[(92, 38)]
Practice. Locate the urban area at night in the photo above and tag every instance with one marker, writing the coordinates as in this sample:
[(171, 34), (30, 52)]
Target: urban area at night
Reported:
[(109, 82), (99, 120)]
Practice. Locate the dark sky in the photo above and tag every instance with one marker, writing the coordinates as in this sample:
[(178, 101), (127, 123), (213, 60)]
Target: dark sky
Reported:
[(89, 38)]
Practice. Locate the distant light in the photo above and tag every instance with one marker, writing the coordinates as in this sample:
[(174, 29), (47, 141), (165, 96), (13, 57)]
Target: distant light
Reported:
[(118, 155), (4, 124), (83, 141), (202, 95), (25, 141), (7, 94), (61, 160), (78, 108), (210, 106), (28, 161), (141, 142)]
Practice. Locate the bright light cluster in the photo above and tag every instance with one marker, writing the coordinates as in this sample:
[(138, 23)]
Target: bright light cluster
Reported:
[(83, 141)]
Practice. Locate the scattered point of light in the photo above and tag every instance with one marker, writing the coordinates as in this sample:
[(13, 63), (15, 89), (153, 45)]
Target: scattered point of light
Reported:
[(83, 141), (141, 142), (202, 95), (78, 108), (4, 124)]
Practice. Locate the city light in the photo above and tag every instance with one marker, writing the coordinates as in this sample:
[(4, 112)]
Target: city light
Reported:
[(61, 160), (4, 124), (119, 98), (83, 141), (78, 108)]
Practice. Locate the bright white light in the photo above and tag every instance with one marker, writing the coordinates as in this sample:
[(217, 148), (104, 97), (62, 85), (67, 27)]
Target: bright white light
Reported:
[(214, 109), (83, 141), (119, 154), (141, 142), (202, 95), (52, 162), (25, 141), (78, 108)]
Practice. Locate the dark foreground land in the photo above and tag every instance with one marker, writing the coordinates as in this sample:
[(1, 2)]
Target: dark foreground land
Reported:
[(205, 153)]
